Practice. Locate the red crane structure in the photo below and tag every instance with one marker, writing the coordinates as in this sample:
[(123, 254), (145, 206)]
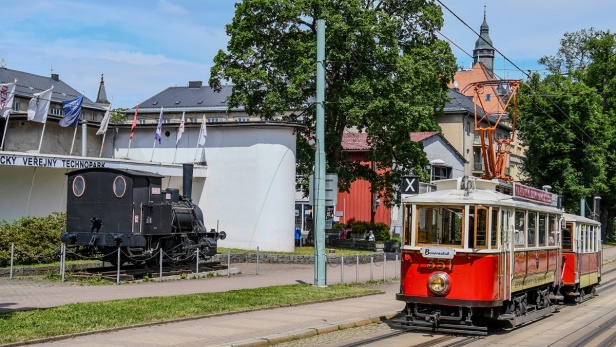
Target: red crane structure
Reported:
[(495, 152)]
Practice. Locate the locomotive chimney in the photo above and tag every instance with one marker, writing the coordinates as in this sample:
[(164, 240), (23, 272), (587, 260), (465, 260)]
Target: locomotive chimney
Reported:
[(187, 178)]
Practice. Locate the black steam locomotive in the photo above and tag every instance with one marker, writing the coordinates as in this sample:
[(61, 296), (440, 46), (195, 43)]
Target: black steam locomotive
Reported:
[(111, 208)]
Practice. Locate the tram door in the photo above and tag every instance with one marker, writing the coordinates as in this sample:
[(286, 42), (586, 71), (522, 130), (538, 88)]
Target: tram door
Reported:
[(506, 251)]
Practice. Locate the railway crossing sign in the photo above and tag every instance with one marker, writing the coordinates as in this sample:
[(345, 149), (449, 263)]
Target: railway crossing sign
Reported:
[(410, 185)]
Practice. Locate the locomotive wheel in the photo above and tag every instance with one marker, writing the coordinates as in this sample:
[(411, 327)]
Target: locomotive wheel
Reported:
[(172, 251)]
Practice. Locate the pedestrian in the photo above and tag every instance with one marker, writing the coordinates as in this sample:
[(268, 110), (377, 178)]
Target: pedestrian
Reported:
[(370, 236), (349, 230)]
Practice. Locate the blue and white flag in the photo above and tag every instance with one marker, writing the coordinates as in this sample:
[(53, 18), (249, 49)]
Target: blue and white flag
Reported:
[(159, 128), (72, 112)]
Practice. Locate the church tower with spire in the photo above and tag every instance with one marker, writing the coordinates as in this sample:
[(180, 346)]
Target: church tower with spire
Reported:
[(101, 98), (484, 51)]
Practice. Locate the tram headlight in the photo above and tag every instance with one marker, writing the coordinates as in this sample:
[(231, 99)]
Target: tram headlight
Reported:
[(438, 283)]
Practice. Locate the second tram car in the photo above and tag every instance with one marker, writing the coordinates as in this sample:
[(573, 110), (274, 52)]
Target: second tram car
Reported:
[(582, 257), (478, 251)]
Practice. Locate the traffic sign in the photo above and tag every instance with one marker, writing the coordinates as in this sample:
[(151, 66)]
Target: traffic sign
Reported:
[(410, 185)]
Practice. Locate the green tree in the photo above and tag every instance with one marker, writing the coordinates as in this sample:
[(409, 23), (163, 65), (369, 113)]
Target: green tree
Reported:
[(570, 132), (386, 75), (118, 115)]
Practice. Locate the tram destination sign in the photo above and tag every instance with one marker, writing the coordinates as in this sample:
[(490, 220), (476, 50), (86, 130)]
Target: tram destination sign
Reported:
[(438, 252), (537, 195), (20, 160)]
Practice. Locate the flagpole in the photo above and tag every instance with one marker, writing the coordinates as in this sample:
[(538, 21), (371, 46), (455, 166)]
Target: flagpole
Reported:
[(100, 155), (42, 133), (197, 148), (74, 137), (105, 133), (4, 133), (152, 158)]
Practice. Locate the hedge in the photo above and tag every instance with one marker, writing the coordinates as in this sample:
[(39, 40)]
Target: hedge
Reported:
[(36, 239)]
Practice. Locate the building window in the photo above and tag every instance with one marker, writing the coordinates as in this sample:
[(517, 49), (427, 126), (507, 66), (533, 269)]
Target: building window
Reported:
[(488, 97), (56, 111), (16, 106), (241, 119), (441, 173), (141, 121)]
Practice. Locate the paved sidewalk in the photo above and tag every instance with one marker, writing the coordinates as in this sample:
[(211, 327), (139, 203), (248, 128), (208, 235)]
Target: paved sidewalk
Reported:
[(254, 328)]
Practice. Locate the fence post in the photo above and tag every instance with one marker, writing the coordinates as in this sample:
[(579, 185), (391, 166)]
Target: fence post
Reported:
[(12, 253), (160, 265), (384, 266), (371, 264), (197, 275), (257, 260), (228, 262), (342, 270), (63, 261), (118, 274), (357, 270)]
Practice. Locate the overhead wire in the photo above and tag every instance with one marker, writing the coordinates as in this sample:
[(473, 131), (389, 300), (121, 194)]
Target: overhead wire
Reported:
[(524, 72)]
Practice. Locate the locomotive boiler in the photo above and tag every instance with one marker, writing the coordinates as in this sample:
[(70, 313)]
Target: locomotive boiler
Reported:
[(112, 209)]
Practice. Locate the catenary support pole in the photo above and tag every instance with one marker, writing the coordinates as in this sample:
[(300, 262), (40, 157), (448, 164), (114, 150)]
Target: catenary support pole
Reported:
[(341, 270), (160, 265), (319, 175)]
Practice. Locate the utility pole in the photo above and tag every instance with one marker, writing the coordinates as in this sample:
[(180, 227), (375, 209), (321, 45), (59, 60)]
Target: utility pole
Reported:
[(319, 174)]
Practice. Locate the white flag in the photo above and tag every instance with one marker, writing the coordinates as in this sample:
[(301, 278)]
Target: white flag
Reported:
[(105, 122), (39, 106), (203, 132), (180, 130), (7, 92)]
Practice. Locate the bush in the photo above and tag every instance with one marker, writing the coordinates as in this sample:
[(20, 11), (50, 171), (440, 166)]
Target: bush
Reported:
[(381, 230), (36, 239)]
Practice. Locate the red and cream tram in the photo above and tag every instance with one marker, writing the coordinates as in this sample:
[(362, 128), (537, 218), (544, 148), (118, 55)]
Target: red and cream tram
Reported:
[(582, 257), (478, 250)]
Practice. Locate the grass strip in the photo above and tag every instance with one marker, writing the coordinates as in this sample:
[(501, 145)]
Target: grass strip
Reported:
[(82, 317)]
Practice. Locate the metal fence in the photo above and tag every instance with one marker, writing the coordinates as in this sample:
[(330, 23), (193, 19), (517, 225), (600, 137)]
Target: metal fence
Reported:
[(367, 267)]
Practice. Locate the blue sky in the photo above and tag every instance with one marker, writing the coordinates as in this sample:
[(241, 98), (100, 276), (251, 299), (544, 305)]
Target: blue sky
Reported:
[(144, 46)]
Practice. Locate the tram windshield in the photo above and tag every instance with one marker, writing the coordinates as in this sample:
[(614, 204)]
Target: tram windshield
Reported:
[(440, 225)]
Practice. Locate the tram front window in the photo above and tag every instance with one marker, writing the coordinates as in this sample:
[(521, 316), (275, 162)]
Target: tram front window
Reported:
[(440, 225), (426, 229), (452, 226)]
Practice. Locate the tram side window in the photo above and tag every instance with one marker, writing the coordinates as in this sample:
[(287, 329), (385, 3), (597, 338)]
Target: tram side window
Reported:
[(494, 227), (481, 227), (566, 232), (452, 226), (426, 228), (532, 223), (551, 227), (584, 238), (408, 223), (518, 238), (591, 239), (542, 229)]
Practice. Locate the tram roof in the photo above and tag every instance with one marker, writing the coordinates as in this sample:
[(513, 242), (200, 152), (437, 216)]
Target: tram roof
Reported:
[(580, 219), (480, 192)]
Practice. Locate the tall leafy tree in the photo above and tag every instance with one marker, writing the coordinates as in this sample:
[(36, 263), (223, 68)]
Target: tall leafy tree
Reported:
[(386, 75), (567, 121)]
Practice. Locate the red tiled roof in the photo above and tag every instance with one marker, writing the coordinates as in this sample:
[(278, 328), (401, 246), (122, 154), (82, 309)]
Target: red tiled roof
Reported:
[(359, 141)]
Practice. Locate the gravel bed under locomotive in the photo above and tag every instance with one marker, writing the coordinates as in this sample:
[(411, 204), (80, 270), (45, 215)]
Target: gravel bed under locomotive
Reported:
[(110, 208)]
